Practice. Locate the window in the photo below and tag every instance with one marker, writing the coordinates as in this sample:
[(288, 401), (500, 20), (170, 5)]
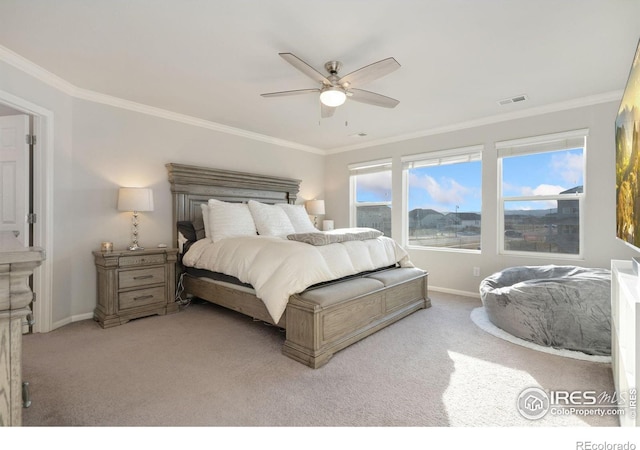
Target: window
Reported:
[(443, 198), (542, 191), (371, 195)]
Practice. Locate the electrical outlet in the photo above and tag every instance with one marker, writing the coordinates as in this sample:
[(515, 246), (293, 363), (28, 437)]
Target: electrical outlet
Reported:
[(476, 271)]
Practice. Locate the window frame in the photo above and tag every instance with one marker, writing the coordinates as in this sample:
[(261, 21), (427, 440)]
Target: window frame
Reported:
[(363, 168), (439, 157), (535, 145)]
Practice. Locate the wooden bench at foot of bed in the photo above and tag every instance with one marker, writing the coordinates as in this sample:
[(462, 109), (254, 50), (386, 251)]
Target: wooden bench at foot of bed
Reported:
[(324, 320)]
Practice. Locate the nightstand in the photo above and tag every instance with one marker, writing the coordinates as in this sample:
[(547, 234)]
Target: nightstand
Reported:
[(133, 284)]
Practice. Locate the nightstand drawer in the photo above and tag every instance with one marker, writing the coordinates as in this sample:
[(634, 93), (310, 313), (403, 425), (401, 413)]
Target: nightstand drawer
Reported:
[(140, 277), (142, 297), (139, 260)]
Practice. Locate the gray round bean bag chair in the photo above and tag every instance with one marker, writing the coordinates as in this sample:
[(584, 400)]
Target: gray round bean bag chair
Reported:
[(563, 307)]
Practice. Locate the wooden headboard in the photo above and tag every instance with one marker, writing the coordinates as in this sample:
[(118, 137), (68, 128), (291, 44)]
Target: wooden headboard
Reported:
[(193, 185)]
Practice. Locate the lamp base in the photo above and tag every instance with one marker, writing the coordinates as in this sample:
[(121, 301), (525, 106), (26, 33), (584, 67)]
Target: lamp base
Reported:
[(135, 247)]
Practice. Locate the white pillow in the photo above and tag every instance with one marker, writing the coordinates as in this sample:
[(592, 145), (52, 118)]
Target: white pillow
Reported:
[(299, 218), (205, 219), (270, 220), (229, 220)]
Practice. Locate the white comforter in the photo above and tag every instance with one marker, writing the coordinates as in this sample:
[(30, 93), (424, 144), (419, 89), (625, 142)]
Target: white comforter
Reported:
[(278, 268)]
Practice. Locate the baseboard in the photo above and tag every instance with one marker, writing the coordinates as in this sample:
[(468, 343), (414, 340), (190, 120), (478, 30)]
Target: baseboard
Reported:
[(454, 291), (68, 320)]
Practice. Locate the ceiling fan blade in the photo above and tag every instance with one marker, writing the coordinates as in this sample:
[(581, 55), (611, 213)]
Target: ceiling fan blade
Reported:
[(372, 98), (326, 111), (305, 68), (369, 73), (296, 92)]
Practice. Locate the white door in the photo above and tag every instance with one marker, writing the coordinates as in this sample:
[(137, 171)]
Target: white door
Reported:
[(14, 176)]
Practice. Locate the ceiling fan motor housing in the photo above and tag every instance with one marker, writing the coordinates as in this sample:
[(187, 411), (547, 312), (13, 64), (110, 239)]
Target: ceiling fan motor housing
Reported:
[(333, 67)]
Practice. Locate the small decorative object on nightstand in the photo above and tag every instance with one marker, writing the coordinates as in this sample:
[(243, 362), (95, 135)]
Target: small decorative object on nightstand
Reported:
[(132, 285)]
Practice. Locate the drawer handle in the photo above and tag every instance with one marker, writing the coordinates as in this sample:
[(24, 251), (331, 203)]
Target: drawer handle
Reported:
[(142, 297), (143, 277)]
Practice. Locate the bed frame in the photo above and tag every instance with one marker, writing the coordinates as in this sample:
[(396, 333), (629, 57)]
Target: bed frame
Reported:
[(315, 330)]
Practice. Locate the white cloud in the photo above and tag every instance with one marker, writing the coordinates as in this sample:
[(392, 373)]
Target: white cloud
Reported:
[(569, 166), (543, 189), (378, 183), (446, 191)]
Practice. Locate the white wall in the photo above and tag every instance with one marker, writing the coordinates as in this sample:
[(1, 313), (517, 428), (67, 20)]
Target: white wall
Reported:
[(99, 148), (452, 270)]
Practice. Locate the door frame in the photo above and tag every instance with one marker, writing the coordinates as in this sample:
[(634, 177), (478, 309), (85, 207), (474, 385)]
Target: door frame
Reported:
[(42, 205)]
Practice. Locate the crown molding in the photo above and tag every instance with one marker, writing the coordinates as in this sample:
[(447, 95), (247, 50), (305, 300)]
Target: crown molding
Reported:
[(26, 66), (530, 112), (43, 75), (64, 86)]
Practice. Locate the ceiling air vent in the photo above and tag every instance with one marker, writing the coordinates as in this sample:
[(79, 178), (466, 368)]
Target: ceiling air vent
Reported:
[(516, 99)]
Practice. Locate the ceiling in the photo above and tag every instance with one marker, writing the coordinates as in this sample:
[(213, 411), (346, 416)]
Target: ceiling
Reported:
[(211, 60)]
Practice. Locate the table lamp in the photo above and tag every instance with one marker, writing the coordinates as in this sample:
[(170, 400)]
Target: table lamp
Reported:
[(315, 208), (135, 200)]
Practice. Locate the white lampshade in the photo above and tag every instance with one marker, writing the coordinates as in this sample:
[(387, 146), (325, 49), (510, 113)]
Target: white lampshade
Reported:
[(135, 199), (333, 96), (315, 207)]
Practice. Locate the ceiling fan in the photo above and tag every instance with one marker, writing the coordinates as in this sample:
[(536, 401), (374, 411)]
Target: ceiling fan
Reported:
[(334, 89)]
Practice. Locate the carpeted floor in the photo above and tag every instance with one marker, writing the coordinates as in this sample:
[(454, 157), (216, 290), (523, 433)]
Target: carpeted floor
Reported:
[(206, 366)]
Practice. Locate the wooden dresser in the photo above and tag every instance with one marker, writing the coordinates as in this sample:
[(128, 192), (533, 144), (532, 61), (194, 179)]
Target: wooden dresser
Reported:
[(17, 264), (133, 284)]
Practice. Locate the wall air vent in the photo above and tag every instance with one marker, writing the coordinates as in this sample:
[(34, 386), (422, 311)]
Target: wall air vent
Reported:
[(516, 99)]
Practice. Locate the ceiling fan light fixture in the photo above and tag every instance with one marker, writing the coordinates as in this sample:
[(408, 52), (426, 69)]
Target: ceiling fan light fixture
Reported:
[(333, 97)]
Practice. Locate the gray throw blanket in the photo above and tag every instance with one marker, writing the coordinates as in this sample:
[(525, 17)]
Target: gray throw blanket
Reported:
[(336, 236)]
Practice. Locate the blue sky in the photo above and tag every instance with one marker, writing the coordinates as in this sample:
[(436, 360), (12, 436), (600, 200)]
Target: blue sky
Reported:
[(442, 188)]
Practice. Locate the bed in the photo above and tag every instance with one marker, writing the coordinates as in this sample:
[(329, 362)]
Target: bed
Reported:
[(319, 320)]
